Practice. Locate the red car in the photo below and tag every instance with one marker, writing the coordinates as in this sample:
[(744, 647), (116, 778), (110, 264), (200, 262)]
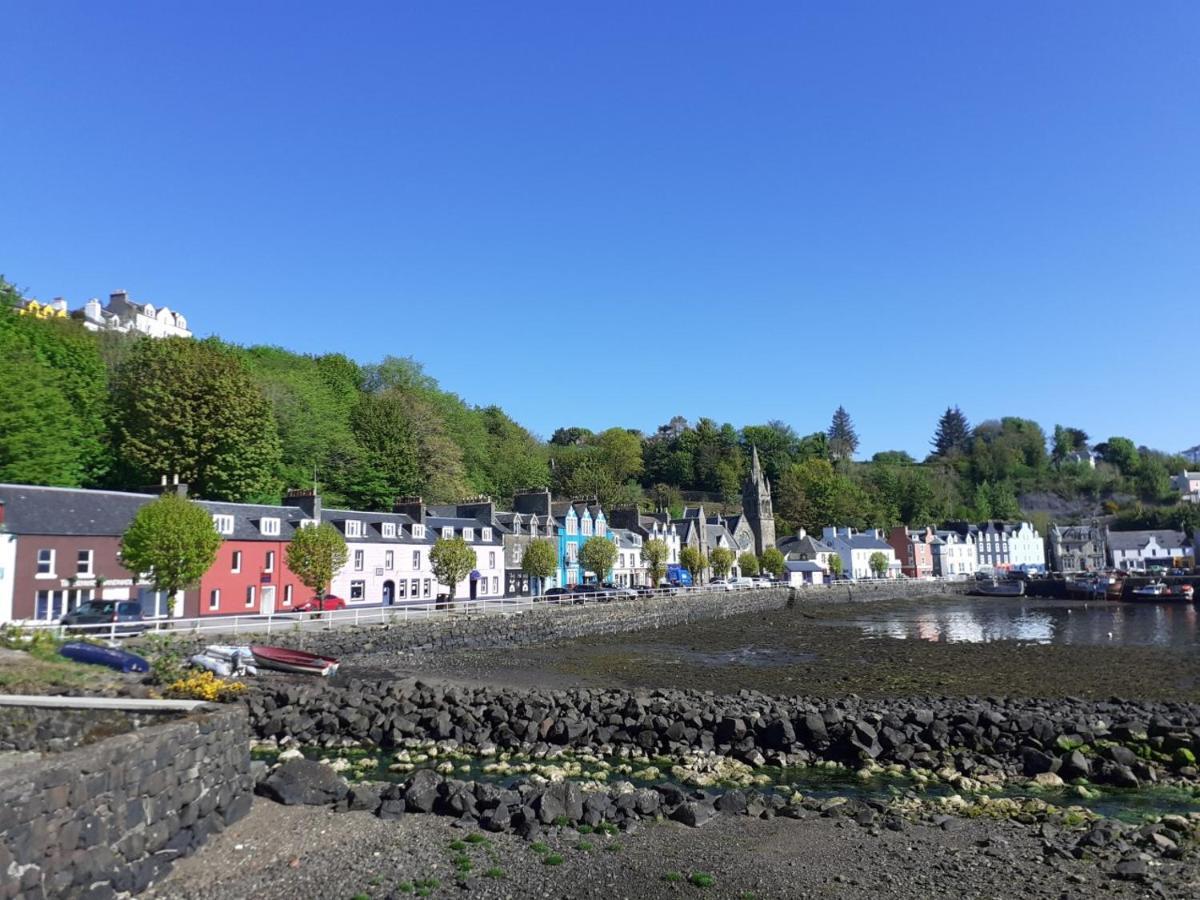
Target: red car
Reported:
[(322, 604)]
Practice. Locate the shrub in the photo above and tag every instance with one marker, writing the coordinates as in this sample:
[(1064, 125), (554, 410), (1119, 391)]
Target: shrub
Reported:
[(205, 686)]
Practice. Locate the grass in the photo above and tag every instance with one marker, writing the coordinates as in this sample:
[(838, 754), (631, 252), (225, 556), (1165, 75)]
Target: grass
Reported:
[(672, 877), (585, 829), (494, 872), (539, 847), (458, 845), (476, 838), (552, 859), (463, 863), (614, 847), (584, 847), (702, 879)]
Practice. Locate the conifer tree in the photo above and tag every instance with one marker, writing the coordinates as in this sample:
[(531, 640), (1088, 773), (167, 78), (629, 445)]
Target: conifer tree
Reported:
[(953, 433), (843, 440)]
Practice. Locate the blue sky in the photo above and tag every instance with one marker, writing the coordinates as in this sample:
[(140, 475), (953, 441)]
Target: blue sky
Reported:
[(612, 213)]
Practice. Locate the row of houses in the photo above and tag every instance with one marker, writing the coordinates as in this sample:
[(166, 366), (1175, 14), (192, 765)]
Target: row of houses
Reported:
[(121, 314), (1090, 548)]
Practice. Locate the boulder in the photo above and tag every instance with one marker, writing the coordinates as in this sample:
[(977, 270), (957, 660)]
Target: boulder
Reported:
[(304, 782), (694, 813)]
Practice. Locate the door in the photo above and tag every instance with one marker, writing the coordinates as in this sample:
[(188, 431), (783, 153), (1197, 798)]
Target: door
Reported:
[(268, 600), (389, 593)]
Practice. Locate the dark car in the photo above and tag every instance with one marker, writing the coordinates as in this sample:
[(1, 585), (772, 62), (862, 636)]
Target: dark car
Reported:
[(124, 617), (553, 592), (322, 604)]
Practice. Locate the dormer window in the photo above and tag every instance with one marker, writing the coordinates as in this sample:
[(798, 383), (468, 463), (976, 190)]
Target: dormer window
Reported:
[(389, 529), (308, 523), (269, 527), (447, 532), (418, 531), (572, 524), (486, 534), (223, 524), (353, 528), (587, 525), (468, 534)]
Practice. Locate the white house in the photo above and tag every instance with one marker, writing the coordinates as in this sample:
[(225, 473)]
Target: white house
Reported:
[(1134, 551), (856, 549), (799, 572), (1026, 548), (630, 567), (803, 547), (8, 562), (954, 555), (1001, 546), (1188, 486), (125, 315)]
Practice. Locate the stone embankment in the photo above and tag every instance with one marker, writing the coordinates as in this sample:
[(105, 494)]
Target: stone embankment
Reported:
[(111, 817), (548, 623), (973, 745)]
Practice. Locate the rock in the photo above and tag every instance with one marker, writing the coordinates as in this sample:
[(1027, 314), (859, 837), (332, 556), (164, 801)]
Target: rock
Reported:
[(422, 791), (732, 803), (1131, 870), (363, 797), (694, 813), (304, 782), (1048, 780), (1074, 765), (1035, 761)]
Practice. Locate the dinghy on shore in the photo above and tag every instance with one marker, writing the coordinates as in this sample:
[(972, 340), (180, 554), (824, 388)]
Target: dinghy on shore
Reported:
[(281, 659), (99, 655)]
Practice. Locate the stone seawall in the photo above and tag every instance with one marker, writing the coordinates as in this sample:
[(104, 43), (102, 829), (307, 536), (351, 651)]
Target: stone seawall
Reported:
[(548, 623), (112, 816)]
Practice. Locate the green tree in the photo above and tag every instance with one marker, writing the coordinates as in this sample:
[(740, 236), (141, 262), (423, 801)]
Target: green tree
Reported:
[(539, 563), (39, 439), (772, 561), (778, 447), (748, 563), (878, 562), (843, 439), (315, 554), (172, 540), (452, 560), (836, 566), (388, 463), (1122, 453), (598, 554), (953, 434), (694, 560), (656, 554), (721, 560), (189, 408)]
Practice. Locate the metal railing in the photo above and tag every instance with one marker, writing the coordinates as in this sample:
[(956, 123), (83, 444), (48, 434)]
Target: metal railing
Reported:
[(401, 614)]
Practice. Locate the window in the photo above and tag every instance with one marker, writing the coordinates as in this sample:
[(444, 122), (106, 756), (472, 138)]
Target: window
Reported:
[(249, 596), (236, 565), (495, 584), (518, 554), (622, 563), (416, 559), (308, 523), (353, 528), (428, 588), (358, 560), (223, 524), (389, 530), (153, 603), (83, 562), (358, 590), (287, 595), (45, 563), (214, 598), (571, 525), (401, 589), (53, 605), (492, 559), (270, 566), (587, 526), (447, 533), (572, 553), (389, 560), (486, 534), (416, 588), (468, 534), (418, 531), (269, 527)]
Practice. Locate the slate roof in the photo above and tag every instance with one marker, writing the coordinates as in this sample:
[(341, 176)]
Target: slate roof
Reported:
[(802, 565), (626, 539), (1136, 540), (30, 509), (248, 516), (802, 546)]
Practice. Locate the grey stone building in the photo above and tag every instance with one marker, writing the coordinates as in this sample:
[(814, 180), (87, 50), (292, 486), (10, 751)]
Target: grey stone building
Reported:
[(756, 505), (1077, 548)]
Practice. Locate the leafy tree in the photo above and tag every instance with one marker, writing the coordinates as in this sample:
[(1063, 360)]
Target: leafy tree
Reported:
[(656, 553), (694, 560), (539, 562), (621, 452), (721, 560), (836, 566), (1122, 453), (843, 440), (388, 462), (516, 459), (778, 447), (953, 434), (315, 554), (773, 562), (748, 563), (878, 562), (189, 408), (570, 437), (452, 560), (39, 439), (172, 540), (598, 554), (1153, 481)]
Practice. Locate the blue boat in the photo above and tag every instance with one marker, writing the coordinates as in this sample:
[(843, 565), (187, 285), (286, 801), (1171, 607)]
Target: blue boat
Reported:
[(97, 655)]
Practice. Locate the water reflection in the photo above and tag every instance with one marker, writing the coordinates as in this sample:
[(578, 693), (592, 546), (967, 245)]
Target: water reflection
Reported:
[(1038, 621)]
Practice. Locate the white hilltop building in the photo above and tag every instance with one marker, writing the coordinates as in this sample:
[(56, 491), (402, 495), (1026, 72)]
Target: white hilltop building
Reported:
[(125, 315)]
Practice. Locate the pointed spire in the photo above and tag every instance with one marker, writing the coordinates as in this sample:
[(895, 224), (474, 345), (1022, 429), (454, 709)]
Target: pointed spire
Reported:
[(755, 467)]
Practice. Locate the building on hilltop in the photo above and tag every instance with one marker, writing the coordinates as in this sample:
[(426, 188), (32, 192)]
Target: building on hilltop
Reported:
[(128, 316), (1188, 486), (55, 309)]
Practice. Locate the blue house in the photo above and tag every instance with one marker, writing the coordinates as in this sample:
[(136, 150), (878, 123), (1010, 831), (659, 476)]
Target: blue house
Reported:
[(577, 522)]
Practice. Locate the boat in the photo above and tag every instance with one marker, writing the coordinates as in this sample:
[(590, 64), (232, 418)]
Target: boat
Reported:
[(1092, 586), (281, 659), (1116, 587), (226, 660), (1162, 592), (99, 655), (995, 588)]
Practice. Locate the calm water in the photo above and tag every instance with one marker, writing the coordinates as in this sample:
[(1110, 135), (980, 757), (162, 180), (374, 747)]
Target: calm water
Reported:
[(982, 619)]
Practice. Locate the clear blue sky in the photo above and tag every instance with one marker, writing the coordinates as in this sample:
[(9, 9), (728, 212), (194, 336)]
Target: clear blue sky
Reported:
[(611, 213)]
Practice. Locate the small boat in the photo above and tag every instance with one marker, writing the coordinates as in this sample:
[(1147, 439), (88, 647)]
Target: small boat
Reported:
[(226, 660), (284, 660), (1116, 587), (1089, 587), (1160, 591), (99, 655), (998, 589)]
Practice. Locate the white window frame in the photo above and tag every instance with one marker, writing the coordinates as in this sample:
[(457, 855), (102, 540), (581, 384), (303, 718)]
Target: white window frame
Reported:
[(214, 599), (359, 585), (235, 562), (287, 595), (418, 530), (251, 596), (389, 529), (82, 568), (359, 560), (269, 527), (416, 559), (468, 534), (270, 564), (587, 526), (447, 532), (353, 528), (486, 535), (491, 559), (48, 562), (572, 525), (389, 560), (223, 523)]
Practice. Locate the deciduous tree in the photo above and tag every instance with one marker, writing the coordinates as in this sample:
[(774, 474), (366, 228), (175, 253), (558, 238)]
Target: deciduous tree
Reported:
[(452, 560), (598, 554), (772, 561), (656, 553), (694, 560), (172, 541), (539, 562), (721, 560), (315, 554), (878, 562), (748, 563)]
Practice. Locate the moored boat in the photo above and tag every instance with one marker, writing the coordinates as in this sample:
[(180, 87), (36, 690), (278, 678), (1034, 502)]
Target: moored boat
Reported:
[(998, 589), (281, 659), (99, 655), (1159, 591)]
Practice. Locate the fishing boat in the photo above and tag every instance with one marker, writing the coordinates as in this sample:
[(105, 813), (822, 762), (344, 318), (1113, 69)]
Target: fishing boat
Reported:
[(1116, 586), (1158, 591), (281, 659), (994, 588), (99, 655), (1091, 586)]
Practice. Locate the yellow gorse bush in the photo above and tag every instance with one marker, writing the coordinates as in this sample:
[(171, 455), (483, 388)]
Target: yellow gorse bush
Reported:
[(205, 686)]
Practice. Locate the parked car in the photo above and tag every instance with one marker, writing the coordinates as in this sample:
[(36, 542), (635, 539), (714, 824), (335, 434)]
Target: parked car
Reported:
[(552, 593), (126, 615), (323, 604), (742, 584)]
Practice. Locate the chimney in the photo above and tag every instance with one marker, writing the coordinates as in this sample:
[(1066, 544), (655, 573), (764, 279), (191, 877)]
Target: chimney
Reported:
[(166, 485), (1, 515), (305, 499), (413, 507), (482, 508), (532, 502), (801, 533)]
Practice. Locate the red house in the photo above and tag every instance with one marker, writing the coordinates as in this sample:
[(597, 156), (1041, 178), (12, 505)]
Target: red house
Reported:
[(914, 549)]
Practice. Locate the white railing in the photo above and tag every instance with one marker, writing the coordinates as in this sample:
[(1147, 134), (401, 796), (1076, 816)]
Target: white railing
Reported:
[(406, 613)]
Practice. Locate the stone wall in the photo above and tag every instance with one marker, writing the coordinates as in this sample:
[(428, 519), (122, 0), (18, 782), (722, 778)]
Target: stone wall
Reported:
[(111, 817), (28, 728)]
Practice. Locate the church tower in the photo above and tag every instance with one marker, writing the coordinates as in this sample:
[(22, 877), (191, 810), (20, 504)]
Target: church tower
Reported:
[(756, 505)]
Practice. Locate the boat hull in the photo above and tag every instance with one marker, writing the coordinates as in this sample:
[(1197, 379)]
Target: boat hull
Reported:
[(281, 659), (1007, 589), (96, 655)]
